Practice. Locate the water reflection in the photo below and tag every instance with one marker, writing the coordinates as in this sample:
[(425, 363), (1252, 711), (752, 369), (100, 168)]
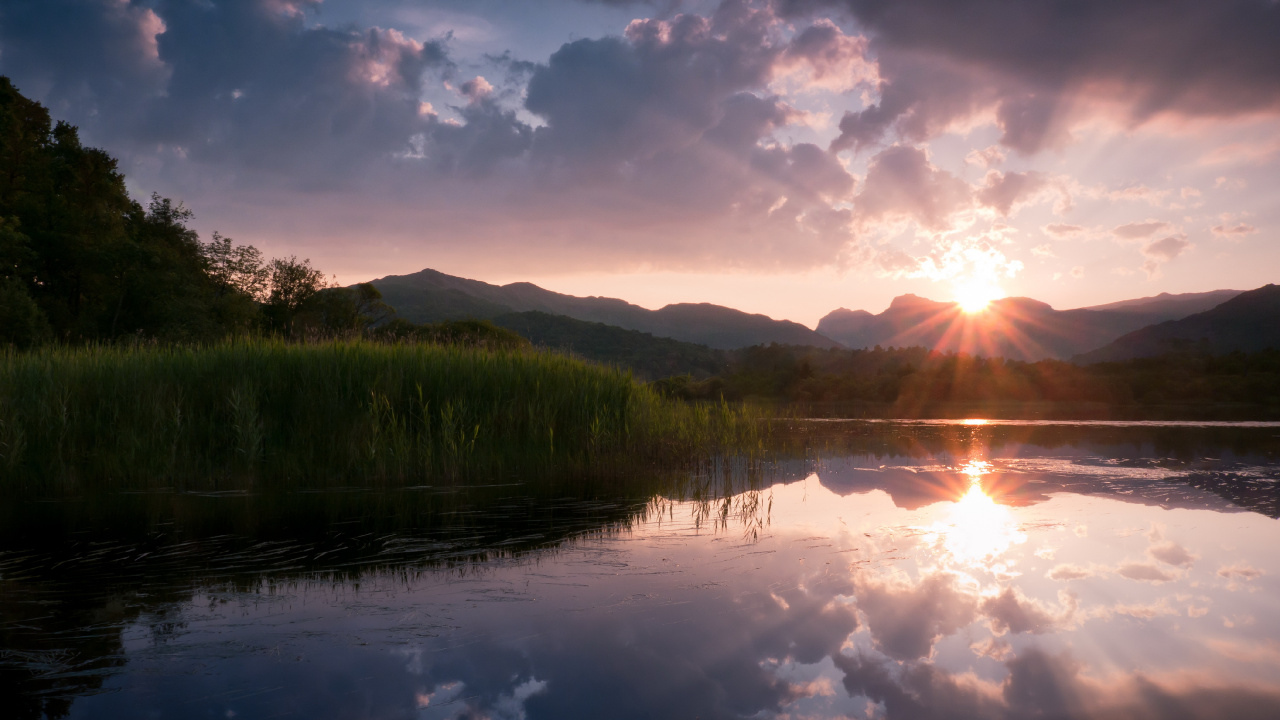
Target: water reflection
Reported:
[(972, 578), (977, 529)]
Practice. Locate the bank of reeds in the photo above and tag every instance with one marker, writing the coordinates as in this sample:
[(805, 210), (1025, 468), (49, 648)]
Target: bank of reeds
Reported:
[(267, 412)]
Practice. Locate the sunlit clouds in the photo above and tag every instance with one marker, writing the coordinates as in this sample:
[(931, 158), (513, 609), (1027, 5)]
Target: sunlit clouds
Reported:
[(913, 149)]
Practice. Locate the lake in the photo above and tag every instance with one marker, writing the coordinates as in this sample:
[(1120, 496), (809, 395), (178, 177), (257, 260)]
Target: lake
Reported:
[(949, 569)]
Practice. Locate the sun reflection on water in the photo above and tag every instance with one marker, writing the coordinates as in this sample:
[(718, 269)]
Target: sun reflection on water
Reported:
[(977, 529)]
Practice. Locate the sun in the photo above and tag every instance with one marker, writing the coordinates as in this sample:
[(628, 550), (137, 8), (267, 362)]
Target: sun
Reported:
[(975, 296)]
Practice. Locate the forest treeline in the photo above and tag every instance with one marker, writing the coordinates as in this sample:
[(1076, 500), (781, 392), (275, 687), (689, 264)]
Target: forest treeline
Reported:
[(918, 382)]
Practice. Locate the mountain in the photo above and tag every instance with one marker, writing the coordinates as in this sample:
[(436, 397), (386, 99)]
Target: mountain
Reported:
[(1181, 305), (1016, 328), (1248, 322), (649, 357), (431, 296)]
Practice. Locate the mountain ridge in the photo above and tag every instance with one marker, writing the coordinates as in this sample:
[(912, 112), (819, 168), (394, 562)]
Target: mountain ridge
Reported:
[(1015, 327), (433, 296), (1248, 322)]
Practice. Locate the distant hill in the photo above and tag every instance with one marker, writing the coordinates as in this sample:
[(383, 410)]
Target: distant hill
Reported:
[(431, 296), (1248, 322), (1183, 304), (649, 357), (1016, 328)]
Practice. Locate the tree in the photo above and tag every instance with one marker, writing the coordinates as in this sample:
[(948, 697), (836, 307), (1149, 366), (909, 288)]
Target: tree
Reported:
[(97, 264), (344, 310), (292, 283), (237, 268), (21, 322)]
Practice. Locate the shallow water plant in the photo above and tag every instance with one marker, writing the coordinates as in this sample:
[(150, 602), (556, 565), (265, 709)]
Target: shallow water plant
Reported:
[(246, 412)]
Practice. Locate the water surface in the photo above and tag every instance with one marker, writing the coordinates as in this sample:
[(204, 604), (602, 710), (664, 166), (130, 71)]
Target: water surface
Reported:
[(878, 570)]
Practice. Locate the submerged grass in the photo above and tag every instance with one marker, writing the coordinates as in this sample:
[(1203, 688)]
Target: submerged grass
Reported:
[(267, 412)]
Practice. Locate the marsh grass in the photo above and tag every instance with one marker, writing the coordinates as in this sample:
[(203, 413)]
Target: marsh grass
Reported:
[(260, 412)]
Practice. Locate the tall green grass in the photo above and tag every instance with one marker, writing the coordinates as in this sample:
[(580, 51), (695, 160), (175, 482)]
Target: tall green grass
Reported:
[(253, 412)]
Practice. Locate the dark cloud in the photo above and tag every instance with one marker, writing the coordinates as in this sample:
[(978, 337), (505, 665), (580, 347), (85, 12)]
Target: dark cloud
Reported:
[(719, 661), (83, 57), (1040, 685), (940, 61), (920, 100), (675, 115), (255, 86), (918, 691), (615, 100), (487, 136), (243, 85), (669, 130)]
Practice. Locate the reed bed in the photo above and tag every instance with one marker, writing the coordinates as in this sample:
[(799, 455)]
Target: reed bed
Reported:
[(257, 412)]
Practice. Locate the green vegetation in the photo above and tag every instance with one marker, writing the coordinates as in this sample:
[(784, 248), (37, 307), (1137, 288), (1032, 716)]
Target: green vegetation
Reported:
[(240, 413), (81, 261), (918, 383), (648, 356)]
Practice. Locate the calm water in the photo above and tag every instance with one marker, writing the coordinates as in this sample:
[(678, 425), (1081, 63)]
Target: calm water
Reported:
[(876, 570)]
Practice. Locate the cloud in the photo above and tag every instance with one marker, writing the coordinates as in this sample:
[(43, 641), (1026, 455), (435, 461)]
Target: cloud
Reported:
[(1013, 612), (1171, 553), (1069, 572), (1135, 231), (1239, 571), (919, 691), (1166, 249), (660, 146), (1041, 684), (1234, 231), (989, 157), (1162, 251), (906, 619), (259, 90), (901, 184), (685, 141), (723, 662), (1059, 230), (825, 57), (1144, 572), (95, 57), (1033, 65), (1004, 191)]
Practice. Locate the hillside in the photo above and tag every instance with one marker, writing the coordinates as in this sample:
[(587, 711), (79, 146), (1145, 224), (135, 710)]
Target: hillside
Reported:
[(1015, 328), (1182, 304), (649, 357), (1249, 322), (431, 296)]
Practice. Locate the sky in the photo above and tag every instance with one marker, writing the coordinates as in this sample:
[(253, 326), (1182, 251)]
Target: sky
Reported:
[(785, 157)]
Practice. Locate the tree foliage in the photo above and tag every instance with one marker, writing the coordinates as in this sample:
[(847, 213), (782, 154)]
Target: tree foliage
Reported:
[(82, 261)]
